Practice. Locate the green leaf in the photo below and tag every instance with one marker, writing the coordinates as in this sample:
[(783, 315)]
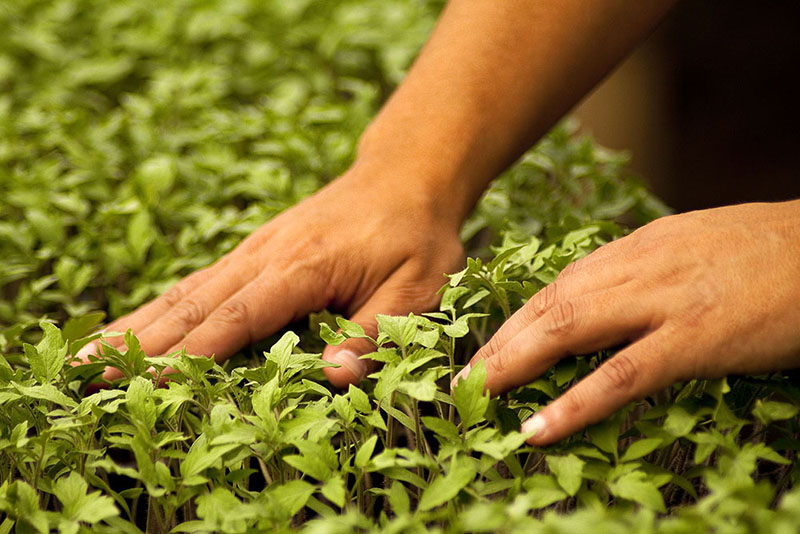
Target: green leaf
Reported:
[(769, 411), (423, 389), (46, 392), (140, 235), (365, 452), (635, 487), (141, 404), (568, 470), (398, 498), (543, 490), (359, 400), (329, 336), (292, 495), (441, 427), (47, 358), (281, 352), (401, 330), (78, 505), (469, 396), (350, 329), (445, 488), (334, 490), (605, 435), (641, 448)]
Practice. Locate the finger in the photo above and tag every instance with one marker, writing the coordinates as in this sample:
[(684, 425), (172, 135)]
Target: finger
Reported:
[(400, 294), (633, 373), (575, 280), (146, 314), (578, 326), (193, 309), (257, 310)]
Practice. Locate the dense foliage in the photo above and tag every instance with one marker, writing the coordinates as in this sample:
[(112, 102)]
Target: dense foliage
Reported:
[(140, 141)]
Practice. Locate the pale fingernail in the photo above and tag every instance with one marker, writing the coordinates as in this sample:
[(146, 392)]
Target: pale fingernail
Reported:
[(535, 425), (349, 360), (87, 350), (462, 375)]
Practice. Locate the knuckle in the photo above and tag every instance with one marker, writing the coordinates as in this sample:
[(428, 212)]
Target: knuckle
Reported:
[(619, 373), (173, 296), (233, 312), (702, 301), (561, 319), (574, 403), (544, 299), (189, 313), (498, 364), (493, 345), (569, 270)]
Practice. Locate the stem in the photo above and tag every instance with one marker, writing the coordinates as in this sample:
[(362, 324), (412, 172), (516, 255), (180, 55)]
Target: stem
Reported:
[(38, 470), (390, 424)]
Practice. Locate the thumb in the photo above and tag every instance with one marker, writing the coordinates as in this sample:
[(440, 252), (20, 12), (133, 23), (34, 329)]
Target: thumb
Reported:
[(400, 295)]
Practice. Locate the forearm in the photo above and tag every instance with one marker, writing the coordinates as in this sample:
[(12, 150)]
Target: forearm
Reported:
[(492, 79)]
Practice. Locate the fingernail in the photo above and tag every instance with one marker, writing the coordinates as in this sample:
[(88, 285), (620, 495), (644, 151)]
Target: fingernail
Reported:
[(87, 350), (349, 360), (462, 375), (535, 424)]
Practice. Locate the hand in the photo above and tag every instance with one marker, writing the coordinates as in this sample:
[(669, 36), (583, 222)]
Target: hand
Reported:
[(362, 245), (699, 295)]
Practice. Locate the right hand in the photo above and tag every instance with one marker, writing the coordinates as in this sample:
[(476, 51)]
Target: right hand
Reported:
[(362, 245)]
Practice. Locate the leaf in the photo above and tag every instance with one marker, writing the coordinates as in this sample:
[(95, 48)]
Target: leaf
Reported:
[(605, 435), (423, 389), (77, 327), (769, 411), (78, 505), (350, 329), (499, 448), (635, 487), (679, 422), (543, 490), (292, 495), (329, 336), (445, 488), (441, 427), (641, 448), (469, 396), (281, 351), (47, 358), (334, 490), (401, 330), (140, 235), (358, 399), (365, 452), (46, 392), (141, 405), (568, 470), (398, 498)]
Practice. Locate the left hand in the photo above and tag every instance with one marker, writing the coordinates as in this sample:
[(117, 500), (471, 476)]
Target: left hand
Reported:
[(699, 295)]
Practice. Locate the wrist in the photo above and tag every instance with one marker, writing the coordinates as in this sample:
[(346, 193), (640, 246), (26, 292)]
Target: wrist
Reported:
[(419, 167)]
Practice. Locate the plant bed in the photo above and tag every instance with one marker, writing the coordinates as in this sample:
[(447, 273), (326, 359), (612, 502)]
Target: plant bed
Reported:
[(139, 142)]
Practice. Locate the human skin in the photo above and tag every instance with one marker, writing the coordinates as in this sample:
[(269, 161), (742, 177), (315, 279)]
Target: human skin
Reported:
[(699, 295), (493, 77), (491, 80)]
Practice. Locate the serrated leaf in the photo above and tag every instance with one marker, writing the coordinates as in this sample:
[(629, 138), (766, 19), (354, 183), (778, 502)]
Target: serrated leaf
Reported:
[(543, 490), (445, 488), (48, 357), (469, 396), (635, 487), (568, 471)]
